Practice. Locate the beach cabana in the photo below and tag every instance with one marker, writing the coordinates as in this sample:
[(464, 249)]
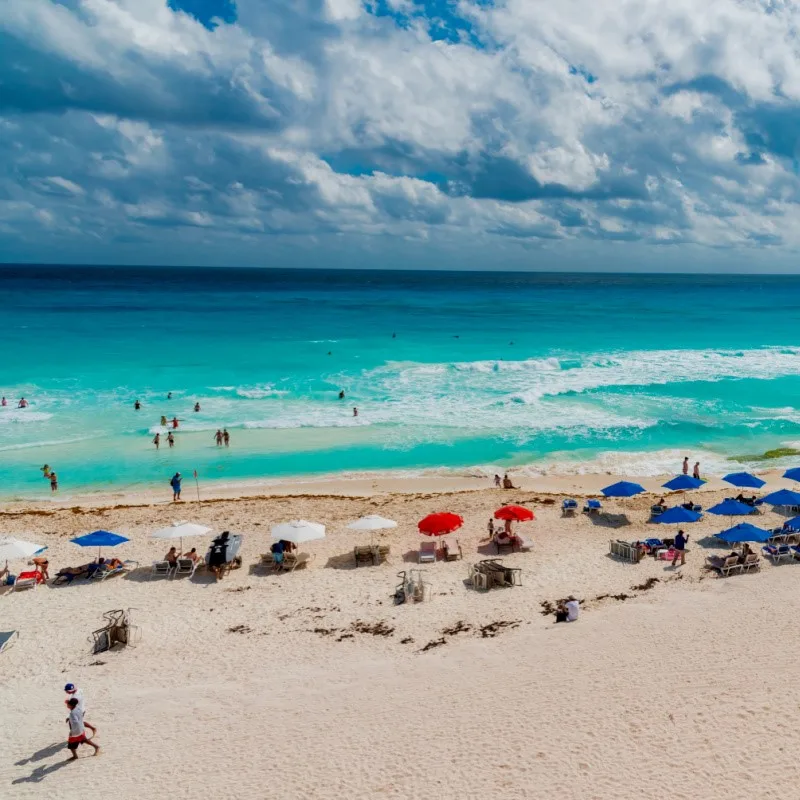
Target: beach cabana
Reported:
[(744, 480)]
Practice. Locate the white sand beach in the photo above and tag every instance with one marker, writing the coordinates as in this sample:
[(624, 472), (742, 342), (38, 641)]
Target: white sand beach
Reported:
[(313, 684)]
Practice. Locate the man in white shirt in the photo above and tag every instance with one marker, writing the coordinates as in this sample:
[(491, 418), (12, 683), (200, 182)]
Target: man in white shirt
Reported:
[(73, 691), (77, 731)]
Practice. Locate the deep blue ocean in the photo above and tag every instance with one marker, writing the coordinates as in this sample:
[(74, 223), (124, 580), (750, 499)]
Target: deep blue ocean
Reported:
[(453, 371)]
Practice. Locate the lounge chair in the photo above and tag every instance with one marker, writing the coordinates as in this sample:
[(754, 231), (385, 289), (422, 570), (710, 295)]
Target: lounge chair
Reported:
[(497, 574), (427, 552), (161, 569), (452, 550), (569, 506), (27, 580), (593, 507), (778, 552), (186, 566), (104, 571), (524, 543), (68, 575), (7, 639), (627, 551), (503, 543), (725, 566), (293, 561), (752, 563), (363, 554), (657, 511), (654, 544), (381, 552)]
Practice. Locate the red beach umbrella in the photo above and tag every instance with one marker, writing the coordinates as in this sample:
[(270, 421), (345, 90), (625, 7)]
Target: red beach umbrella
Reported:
[(514, 513), (440, 524)]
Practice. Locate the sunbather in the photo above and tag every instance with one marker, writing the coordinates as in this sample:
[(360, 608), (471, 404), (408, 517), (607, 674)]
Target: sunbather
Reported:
[(192, 555), (746, 551), (172, 557), (114, 563), (41, 565), (507, 482)]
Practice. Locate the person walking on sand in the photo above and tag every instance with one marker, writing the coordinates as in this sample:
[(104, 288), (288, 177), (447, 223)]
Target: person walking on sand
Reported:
[(170, 439), (498, 481), (175, 483), (77, 730), (686, 465), (73, 691), (696, 471), (226, 437), (53, 481), (218, 437), (157, 440), (490, 527), (680, 548)]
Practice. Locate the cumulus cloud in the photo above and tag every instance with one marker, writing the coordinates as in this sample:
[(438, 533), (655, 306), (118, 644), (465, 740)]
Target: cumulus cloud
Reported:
[(243, 128)]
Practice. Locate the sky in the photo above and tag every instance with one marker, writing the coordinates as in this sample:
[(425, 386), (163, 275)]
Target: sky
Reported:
[(514, 134)]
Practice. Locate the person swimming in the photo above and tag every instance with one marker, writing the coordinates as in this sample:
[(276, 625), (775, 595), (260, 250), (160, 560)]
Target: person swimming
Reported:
[(169, 395), (23, 403), (341, 394)]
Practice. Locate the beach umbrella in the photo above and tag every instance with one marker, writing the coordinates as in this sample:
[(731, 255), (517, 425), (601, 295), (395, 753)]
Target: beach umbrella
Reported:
[(744, 480), (731, 508), (677, 516), (514, 513), (17, 548), (744, 532), (298, 531), (792, 474), (372, 522), (792, 524), (440, 524), (180, 529), (623, 489), (783, 497), (681, 483), (99, 539)]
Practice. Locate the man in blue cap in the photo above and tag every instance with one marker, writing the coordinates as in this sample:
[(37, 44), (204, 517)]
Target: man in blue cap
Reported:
[(73, 691)]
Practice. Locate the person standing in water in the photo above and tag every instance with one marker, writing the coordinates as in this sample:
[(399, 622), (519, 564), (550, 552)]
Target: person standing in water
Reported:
[(175, 483), (175, 423), (23, 403), (4, 402), (170, 439), (696, 471), (53, 481), (196, 407), (355, 411), (45, 470), (341, 394), (169, 395), (137, 405), (218, 437), (163, 420), (226, 437), (157, 440)]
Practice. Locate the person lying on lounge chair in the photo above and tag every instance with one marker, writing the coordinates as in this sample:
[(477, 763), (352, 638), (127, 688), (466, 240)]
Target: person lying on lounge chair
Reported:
[(113, 563), (73, 572)]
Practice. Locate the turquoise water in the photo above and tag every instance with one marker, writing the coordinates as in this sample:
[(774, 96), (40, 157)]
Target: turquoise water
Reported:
[(535, 371)]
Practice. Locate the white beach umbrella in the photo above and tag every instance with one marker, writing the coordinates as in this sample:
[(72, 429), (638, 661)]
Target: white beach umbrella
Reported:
[(372, 522), (298, 531), (17, 548), (180, 529)]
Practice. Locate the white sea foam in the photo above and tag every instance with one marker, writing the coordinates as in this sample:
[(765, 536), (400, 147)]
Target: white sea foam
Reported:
[(22, 416)]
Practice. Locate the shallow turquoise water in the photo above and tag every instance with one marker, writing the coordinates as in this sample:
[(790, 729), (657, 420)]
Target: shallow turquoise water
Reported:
[(539, 371)]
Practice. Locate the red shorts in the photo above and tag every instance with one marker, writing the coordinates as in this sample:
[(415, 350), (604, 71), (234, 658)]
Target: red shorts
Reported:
[(74, 741)]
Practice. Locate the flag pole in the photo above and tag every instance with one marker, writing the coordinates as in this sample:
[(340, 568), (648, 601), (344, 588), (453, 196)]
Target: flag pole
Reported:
[(197, 485)]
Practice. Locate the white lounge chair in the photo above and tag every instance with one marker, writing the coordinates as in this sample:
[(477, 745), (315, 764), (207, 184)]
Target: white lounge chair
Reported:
[(161, 569), (186, 566), (427, 552), (106, 572), (452, 550)]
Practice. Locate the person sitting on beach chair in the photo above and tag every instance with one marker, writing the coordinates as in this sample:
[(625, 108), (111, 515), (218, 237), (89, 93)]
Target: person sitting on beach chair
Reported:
[(172, 557), (192, 555)]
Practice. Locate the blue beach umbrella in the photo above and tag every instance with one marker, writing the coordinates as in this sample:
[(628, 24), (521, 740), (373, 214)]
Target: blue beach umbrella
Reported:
[(623, 489), (744, 532), (792, 474), (682, 482), (792, 524), (744, 480), (677, 516), (99, 539), (731, 508), (783, 497)]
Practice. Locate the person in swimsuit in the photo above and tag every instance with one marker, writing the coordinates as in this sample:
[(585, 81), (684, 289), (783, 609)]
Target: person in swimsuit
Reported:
[(53, 482), (170, 439), (355, 411), (341, 395), (218, 437), (196, 407), (226, 437), (23, 403), (137, 405), (169, 395), (3, 402), (45, 470), (172, 557), (175, 423), (41, 564), (164, 421)]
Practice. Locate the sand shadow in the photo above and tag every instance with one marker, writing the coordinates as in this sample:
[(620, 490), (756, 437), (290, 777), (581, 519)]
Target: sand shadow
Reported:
[(45, 752), (606, 520), (412, 557), (40, 773), (344, 561)]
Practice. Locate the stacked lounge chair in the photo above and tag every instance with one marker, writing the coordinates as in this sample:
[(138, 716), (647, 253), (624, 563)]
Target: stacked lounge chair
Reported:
[(491, 573)]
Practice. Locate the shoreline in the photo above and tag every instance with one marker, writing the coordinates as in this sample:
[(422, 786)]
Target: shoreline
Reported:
[(378, 484)]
